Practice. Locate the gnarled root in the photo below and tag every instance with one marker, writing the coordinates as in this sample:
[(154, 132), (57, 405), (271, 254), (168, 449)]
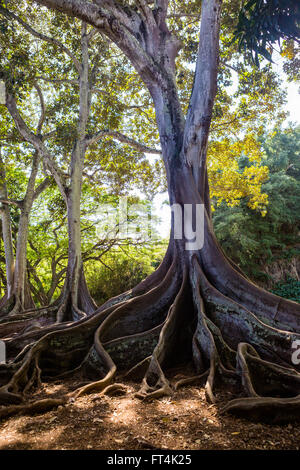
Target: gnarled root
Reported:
[(78, 346), (39, 406), (176, 318), (266, 383)]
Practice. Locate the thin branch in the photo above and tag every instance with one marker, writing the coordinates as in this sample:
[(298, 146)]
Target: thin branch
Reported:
[(184, 15), (223, 124), (12, 202), (42, 102), (49, 135), (92, 33), (58, 80), (121, 138), (222, 62), (41, 187)]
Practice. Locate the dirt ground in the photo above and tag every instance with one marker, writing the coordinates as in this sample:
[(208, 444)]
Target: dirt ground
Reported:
[(184, 421)]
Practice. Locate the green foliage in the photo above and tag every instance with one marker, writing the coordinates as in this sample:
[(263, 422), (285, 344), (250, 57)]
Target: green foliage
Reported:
[(123, 269), (289, 289), (263, 22), (254, 241)]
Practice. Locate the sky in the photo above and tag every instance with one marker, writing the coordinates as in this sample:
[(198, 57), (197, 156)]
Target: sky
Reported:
[(293, 90), (293, 105)]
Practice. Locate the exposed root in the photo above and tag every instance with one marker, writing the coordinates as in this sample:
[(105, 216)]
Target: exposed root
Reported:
[(258, 377), (194, 380), (155, 384), (7, 398), (138, 371), (99, 386), (266, 409), (204, 348), (13, 305), (121, 320), (161, 386), (27, 322), (228, 280), (115, 390), (178, 317), (240, 325), (6, 305), (39, 406), (69, 310)]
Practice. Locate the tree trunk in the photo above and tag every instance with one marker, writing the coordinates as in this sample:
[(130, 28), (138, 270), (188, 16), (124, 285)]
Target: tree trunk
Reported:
[(196, 312), (21, 289), (18, 296), (6, 232), (76, 300)]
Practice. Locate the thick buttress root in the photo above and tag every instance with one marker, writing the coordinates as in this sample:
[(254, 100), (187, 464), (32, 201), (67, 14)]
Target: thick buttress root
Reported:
[(175, 318), (242, 347)]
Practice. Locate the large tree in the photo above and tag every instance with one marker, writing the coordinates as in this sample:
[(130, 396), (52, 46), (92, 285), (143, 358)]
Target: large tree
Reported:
[(196, 307)]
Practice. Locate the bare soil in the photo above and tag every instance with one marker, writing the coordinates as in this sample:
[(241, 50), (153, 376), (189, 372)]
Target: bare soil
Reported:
[(183, 421)]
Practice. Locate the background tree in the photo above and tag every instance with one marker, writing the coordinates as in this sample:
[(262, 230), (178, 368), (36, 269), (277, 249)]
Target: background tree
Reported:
[(18, 296), (72, 138)]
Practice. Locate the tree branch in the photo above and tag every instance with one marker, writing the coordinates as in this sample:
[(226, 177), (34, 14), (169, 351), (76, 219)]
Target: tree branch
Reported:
[(58, 80), (122, 138), (42, 102), (36, 141), (41, 187), (204, 90), (125, 29), (222, 62), (12, 202), (162, 9)]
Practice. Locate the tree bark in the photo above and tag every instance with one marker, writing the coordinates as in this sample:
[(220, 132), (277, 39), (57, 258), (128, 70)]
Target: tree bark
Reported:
[(77, 301), (6, 232)]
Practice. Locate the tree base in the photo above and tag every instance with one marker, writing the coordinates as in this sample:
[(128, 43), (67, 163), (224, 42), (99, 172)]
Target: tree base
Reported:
[(174, 318)]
